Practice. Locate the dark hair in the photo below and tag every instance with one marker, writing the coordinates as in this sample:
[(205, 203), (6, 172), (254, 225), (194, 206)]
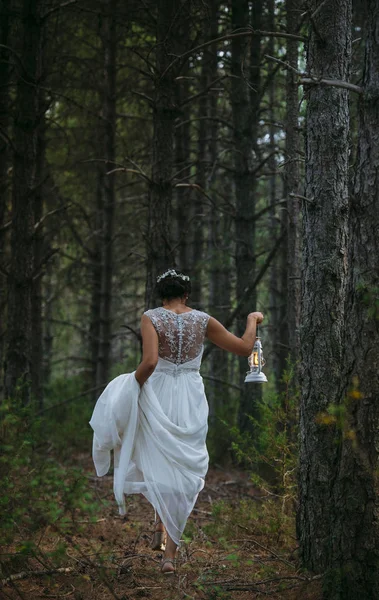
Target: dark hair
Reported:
[(173, 286)]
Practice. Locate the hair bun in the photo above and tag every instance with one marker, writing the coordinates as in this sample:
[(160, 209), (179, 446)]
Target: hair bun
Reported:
[(173, 284)]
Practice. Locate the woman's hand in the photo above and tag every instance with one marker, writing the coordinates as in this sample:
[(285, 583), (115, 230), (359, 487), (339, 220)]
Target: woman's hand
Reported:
[(258, 316)]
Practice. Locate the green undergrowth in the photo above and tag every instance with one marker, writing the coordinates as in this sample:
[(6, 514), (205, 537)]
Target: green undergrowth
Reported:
[(68, 406), (260, 517), (249, 540), (269, 452), (38, 492), (66, 414)]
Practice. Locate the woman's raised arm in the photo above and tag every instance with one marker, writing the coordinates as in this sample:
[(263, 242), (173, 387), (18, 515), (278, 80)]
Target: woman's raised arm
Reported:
[(226, 340)]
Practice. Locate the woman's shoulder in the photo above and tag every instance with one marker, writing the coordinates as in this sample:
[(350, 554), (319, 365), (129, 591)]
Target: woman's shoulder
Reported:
[(201, 313), (150, 311)]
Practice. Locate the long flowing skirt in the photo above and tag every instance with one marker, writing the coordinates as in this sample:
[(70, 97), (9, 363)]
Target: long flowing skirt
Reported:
[(158, 436)]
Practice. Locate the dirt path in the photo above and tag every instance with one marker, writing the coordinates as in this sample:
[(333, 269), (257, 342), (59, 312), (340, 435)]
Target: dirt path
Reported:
[(227, 552)]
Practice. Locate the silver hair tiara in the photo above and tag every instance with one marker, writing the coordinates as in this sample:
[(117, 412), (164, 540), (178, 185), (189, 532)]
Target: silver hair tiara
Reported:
[(172, 273)]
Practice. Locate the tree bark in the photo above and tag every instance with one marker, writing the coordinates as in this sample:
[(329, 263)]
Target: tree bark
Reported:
[(197, 256), (109, 40), (160, 251), (218, 236), (48, 337), (293, 190), (277, 304), (96, 283), (245, 110), (353, 569), (4, 162), (36, 301), (20, 283), (182, 161), (325, 217)]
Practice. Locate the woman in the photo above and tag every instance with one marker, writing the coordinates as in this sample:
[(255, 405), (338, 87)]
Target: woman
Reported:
[(159, 440)]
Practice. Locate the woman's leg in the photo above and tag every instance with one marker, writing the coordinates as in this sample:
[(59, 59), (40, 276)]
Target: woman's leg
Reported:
[(159, 525), (170, 553), (158, 541)]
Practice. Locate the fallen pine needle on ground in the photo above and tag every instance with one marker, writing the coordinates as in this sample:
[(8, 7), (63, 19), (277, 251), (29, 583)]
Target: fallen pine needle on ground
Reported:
[(236, 546)]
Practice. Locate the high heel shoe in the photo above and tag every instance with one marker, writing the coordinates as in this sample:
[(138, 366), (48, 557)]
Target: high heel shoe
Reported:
[(166, 561), (159, 539)]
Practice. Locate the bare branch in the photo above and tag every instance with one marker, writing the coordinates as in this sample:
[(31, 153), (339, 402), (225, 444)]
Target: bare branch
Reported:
[(332, 82), (39, 224), (305, 79), (25, 574), (144, 96), (223, 382), (204, 91), (5, 226), (134, 332), (85, 393), (216, 119), (230, 36), (55, 8), (250, 288)]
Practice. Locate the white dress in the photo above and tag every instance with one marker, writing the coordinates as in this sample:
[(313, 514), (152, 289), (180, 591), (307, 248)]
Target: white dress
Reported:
[(158, 433)]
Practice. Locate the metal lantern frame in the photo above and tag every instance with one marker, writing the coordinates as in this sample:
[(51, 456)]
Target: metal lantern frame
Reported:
[(256, 363)]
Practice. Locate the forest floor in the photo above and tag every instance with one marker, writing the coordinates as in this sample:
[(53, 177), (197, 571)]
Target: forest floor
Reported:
[(236, 546)]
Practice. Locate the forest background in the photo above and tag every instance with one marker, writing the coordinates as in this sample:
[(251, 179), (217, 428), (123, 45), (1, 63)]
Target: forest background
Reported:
[(239, 142)]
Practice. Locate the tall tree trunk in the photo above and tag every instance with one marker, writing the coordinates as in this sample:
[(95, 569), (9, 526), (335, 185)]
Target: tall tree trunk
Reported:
[(292, 186), (36, 306), (219, 307), (218, 244), (182, 161), (245, 109), (276, 307), (160, 253), (325, 215), (109, 39), (4, 162), (353, 566), (48, 336), (95, 311), (201, 179), (20, 284)]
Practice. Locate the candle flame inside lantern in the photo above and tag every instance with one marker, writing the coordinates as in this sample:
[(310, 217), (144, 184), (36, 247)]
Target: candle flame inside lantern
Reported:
[(256, 362)]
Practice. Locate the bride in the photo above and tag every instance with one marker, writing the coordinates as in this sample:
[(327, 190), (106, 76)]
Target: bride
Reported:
[(155, 419)]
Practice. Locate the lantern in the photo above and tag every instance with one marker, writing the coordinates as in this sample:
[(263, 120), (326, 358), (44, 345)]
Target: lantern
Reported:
[(256, 362)]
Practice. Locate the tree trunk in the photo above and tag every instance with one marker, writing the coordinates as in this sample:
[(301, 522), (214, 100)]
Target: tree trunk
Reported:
[(198, 223), (182, 160), (4, 162), (109, 39), (325, 215), (48, 337), (95, 315), (18, 353), (292, 186), (245, 109), (36, 305), (353, 569), (219, 284), (276, 305), (160, 252)]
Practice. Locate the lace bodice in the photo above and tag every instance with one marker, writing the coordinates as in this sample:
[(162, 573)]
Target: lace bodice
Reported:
[(181, 337)]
